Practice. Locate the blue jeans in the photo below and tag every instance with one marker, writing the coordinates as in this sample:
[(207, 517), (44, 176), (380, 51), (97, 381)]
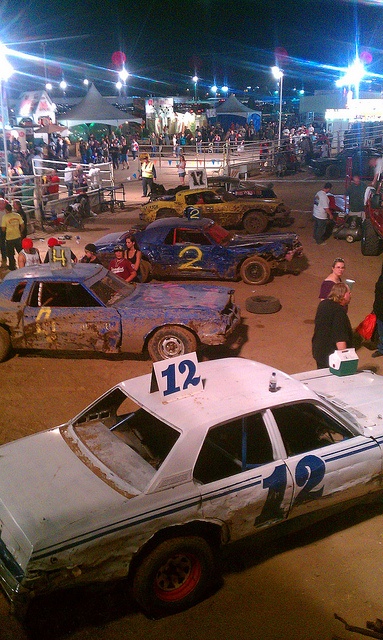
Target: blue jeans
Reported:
[(319, 229), (379, 324)]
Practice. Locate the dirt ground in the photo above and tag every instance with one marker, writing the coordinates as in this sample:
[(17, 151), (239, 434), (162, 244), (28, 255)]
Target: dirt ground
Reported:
[(289, 587)]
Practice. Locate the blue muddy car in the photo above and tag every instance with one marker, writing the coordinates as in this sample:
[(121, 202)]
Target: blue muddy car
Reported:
[(84, 307), (181, 248)]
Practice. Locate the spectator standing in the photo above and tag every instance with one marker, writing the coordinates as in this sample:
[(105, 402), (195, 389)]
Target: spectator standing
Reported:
[(332, 326), (337, 271), (18, 207), (148, 174), (321, 213), (12, 226), (378, 310), (182, 168), (29, 255), (53, 185), (3, 247), (68, 178), (355, 193), (134, 147)]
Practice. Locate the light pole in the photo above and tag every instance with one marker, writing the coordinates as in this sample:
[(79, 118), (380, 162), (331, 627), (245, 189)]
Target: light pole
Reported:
[(278, 75), (195, 80), (6, 71)]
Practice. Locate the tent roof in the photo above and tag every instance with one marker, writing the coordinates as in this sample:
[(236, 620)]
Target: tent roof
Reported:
[(234, 106), (94, 108)]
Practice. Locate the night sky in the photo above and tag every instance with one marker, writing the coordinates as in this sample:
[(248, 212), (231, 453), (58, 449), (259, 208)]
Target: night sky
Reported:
[(166, 42)]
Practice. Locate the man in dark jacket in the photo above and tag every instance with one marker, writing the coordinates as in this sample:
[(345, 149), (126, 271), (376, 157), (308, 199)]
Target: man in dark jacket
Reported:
[(378, 310), (332, 326)]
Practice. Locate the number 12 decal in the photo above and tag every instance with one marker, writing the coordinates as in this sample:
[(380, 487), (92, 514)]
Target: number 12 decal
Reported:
[(170, 375), (309, 473)]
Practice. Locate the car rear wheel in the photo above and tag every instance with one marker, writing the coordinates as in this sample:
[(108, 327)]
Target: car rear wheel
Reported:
[(255, 270), (165, 213), (255, 222), (332, 171), (371, 242), (176, 575), (145, 271), (5, 344), (171, 341)]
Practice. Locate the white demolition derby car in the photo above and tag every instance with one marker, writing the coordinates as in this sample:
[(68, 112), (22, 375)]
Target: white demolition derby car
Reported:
[(155, 475)]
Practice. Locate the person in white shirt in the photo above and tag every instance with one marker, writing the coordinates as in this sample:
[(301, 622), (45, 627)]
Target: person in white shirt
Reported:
[(321, 213)]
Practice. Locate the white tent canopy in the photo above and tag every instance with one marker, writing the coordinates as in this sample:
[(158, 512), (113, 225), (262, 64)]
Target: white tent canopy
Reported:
[(94, 108)]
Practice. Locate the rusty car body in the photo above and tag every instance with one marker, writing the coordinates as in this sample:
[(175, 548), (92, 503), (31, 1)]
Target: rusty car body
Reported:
[(147, 485), (230, 211), (84, 307), (181, 248)]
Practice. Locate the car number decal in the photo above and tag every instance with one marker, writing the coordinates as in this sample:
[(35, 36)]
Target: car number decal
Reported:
[(177, 378), (309, 473), (190, 264), (42, 316), (183, 367)]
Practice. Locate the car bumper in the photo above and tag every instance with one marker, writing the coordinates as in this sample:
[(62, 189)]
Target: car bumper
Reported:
[(214, 333)]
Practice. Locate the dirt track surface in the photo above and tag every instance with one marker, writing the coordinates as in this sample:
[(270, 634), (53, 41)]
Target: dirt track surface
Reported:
[(288, 587)]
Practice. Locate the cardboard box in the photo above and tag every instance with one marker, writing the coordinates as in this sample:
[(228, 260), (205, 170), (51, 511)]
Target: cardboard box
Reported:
[(343, 362)]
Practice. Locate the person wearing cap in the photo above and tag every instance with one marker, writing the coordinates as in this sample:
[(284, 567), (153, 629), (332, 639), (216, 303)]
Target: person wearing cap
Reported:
[(29, 255), (68, 178), (321, 213), (12, 226), (120, 266), (53, 242), (148, 174), (90, 254)]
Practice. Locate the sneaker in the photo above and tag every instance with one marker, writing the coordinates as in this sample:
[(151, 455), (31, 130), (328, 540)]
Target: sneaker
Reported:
[(376, 354)]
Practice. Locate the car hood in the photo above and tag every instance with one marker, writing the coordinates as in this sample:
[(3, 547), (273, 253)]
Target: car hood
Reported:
[(170, 295), (47, 494), (360, 394)]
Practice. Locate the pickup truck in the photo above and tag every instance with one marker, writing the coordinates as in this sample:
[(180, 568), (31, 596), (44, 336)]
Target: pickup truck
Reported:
[(254, 215)]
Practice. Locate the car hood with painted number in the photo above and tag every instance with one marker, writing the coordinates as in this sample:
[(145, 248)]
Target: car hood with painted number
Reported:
[(207, 452)]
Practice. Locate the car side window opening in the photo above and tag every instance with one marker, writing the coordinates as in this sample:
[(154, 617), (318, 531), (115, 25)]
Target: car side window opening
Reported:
[(305, 427), (61, 294), (18, 292), (187, 236), (232, 448)]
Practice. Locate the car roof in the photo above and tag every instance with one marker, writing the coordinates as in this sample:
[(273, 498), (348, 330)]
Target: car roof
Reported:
[(79, 272), (179, 222), (232, 387)]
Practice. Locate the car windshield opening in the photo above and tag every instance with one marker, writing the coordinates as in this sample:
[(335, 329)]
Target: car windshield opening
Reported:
[(111, 289)]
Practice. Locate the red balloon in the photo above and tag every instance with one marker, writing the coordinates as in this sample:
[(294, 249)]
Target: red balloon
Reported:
[(281, 55), (118, 58), (366, 57)]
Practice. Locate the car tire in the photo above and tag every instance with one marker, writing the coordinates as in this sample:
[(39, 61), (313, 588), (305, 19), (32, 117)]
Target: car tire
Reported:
[(371, 242), (176, 575), (332, 171), (166, 213), (255, 222), (263, 304), (171, 341), (255, 271), (145, 271), (5, 344)]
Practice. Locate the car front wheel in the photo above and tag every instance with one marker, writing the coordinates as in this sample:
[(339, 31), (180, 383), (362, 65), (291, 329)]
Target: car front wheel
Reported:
[(171, 341), (255, 271), (174, 576), (5, 344), (371, 242)]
